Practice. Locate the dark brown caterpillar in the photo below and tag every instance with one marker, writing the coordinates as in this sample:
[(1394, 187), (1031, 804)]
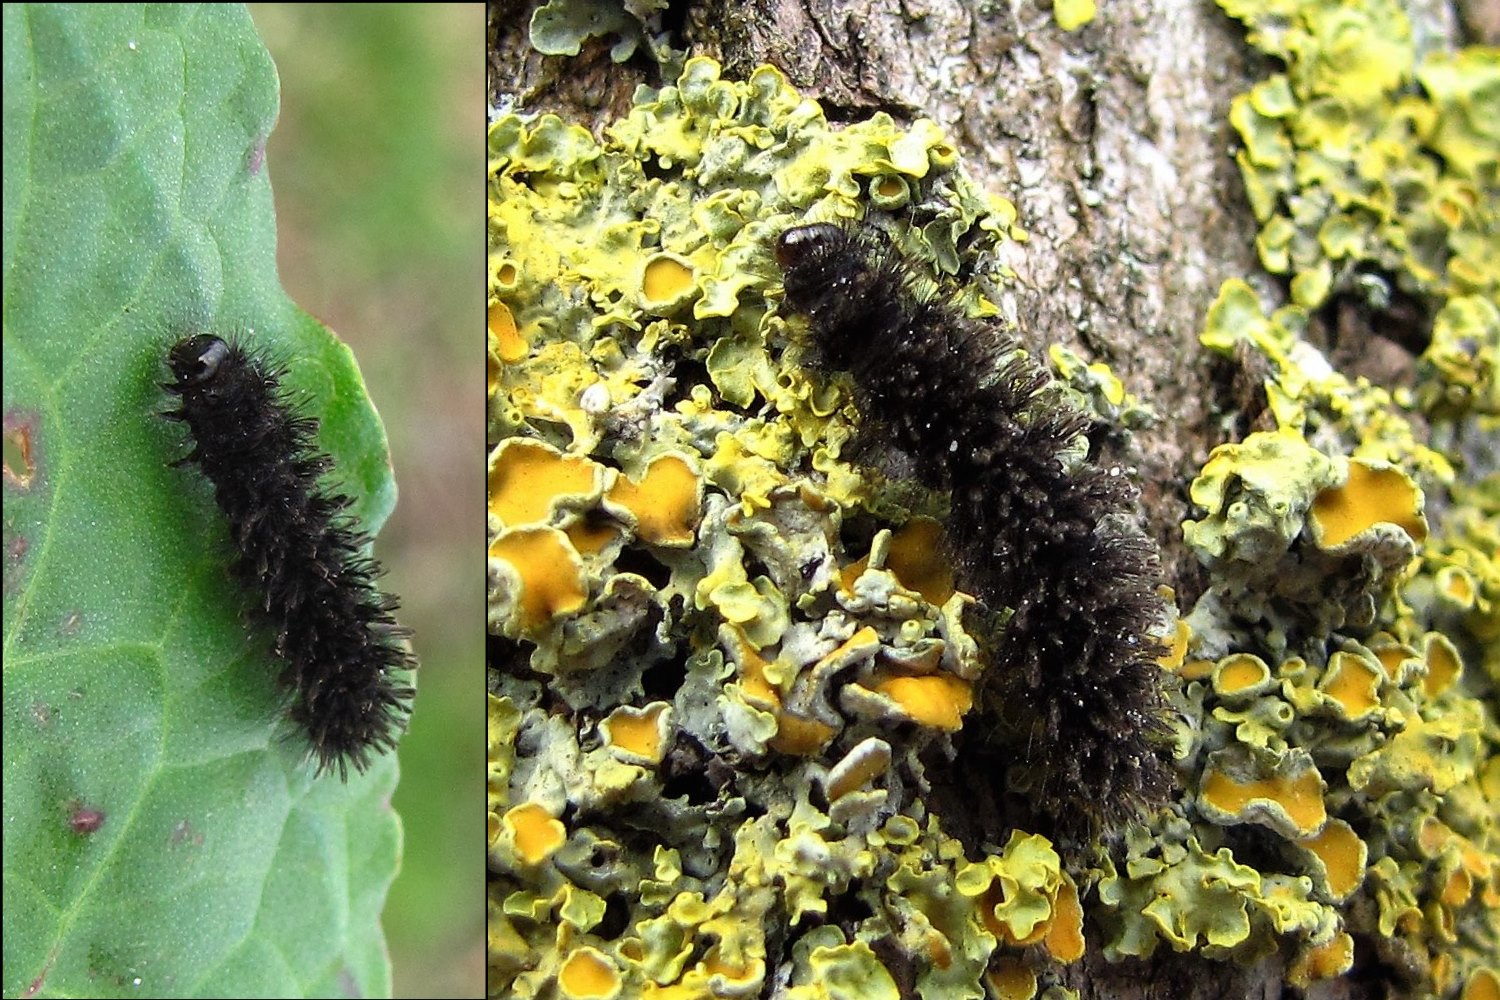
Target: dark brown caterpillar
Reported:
[(1076, 664)]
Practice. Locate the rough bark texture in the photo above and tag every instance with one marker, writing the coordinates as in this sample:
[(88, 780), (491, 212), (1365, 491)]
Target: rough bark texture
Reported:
[(1114, 143)]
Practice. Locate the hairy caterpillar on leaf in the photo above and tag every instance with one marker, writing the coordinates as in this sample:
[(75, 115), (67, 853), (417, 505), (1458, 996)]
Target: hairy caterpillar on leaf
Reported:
[(299, 553)]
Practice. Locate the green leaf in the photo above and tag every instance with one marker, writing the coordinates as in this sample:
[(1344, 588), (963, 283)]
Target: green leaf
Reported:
[(137, 208)]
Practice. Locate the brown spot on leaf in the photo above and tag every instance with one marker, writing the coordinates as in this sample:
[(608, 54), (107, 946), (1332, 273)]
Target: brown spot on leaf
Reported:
[(84, 819), (20, 459)]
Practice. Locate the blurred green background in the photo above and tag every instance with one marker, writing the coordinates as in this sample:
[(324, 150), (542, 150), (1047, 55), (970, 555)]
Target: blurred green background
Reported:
[(378, 165)]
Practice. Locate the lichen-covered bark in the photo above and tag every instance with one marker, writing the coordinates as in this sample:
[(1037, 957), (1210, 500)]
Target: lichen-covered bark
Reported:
[(1114, 143)]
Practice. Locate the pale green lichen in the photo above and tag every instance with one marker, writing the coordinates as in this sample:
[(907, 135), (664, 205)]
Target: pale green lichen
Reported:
[(1176, 892), (560, 27), (1461, 365), (1276, 573), (1368, 163)]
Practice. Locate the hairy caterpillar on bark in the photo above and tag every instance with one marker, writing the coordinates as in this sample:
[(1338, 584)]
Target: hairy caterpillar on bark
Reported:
[(1075, 667)]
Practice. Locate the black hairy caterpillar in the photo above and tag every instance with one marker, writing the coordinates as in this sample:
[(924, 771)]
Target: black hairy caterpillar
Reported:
[(337, 640), (1077, 664)]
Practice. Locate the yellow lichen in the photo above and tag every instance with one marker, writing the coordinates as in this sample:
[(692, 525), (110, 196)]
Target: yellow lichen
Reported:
[(755, 605), (492, 366), (1483, 985), (1435, 838), (847, 972), (1255, 493), (914, 553), (1339, 151), (588, 974), (1196, 670), (1011, 979), (1064, 939), (527, 477), (666, 283), (1373, 494), (1395, 657), (1073, 14), (665, 500), (861, 765), (1323, 961), (504, 275), (1176, 646), (534, 832), (550, 576), (1353, 683), (505, 340), (800, 736), (1342, 856), (731, 978), (656, 405), (753, 669), (938, 700), (621, 304), (1316, 537), (916, 557), (1457, 584), (1462, 360), (1296, 796), (1444, 665), (639, 732), (796, 734), (1437, 753), (1241, 674), (1017, 892), (590, 537)]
